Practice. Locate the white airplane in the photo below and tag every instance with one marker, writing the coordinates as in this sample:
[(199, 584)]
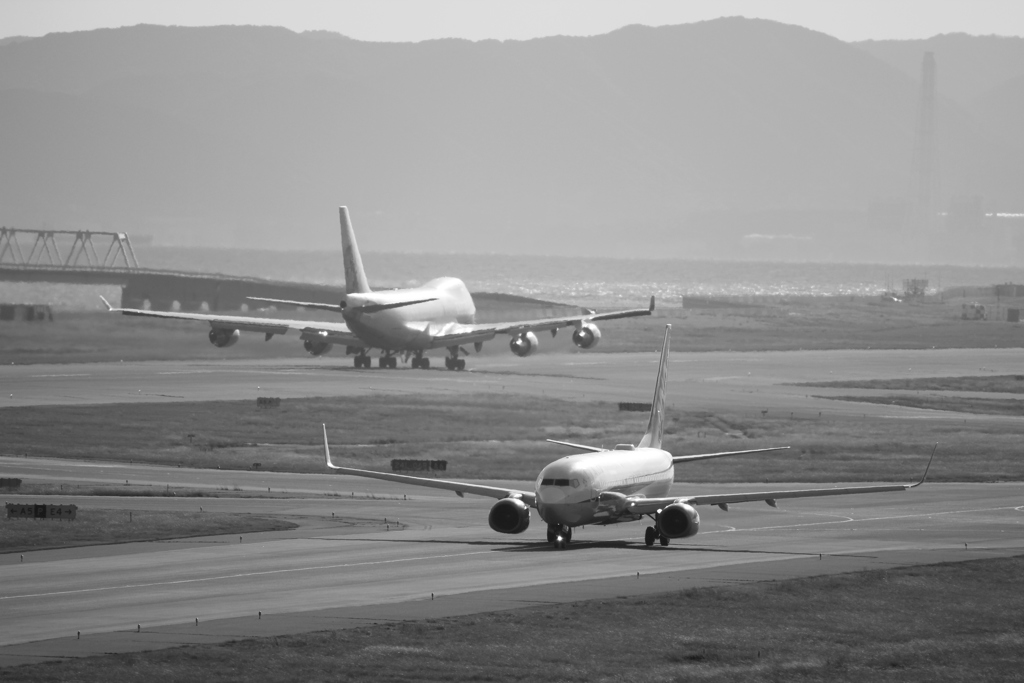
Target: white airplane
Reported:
[(440, 314), (604, 486)]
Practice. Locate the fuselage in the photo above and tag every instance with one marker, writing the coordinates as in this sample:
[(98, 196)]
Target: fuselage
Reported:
[(590, 488), (413, 327)]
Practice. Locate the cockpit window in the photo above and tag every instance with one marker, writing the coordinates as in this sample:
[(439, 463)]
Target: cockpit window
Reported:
[(575, 483), (547, 482)]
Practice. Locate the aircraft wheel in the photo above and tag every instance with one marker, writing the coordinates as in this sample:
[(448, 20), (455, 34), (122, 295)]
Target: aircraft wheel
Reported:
[(392, 362), (664, 540), (649, 535), (357, 361), (552, 534), (460, 364), (425, 363), (415, 362)]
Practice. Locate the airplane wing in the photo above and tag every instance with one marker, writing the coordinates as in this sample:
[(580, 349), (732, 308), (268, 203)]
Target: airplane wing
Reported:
[(528, 497), (334, 333), (644, 506), (459, 334)]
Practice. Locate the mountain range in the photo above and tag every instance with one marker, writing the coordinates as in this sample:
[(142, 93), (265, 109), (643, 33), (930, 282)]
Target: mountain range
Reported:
[(727, 138)]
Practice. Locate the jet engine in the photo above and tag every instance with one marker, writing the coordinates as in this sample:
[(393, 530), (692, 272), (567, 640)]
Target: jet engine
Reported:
[(222, 338), (678, 520), (524, 344), (509, 516), (316, 348), (586, 336)]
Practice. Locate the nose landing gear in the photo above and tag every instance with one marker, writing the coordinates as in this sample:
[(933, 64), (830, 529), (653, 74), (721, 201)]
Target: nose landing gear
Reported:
[(559, 535)]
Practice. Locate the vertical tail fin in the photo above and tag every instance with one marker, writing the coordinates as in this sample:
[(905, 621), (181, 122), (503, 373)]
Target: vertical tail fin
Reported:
[(656, 426), (355, 278)]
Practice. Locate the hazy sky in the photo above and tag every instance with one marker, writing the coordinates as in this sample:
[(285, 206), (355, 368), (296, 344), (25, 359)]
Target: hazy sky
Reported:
[(413, 20)]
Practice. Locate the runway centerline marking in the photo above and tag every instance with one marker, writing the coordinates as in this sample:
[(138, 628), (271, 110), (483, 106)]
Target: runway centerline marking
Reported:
[(85, 374), (239, 576)]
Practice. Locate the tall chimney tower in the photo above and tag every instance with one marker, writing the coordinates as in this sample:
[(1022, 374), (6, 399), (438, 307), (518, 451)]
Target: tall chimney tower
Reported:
[(924, 180)]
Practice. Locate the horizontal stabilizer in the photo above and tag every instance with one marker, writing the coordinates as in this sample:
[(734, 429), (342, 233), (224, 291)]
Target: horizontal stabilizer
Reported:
[(705, 456), (592, 449), (304, 304), (376, 308)]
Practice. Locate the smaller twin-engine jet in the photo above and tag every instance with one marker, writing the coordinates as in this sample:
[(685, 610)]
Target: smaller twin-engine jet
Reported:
[(440, 314), (603, 486)]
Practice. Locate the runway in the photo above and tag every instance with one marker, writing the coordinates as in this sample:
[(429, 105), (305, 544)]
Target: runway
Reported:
[(345, 565), (333, 567)]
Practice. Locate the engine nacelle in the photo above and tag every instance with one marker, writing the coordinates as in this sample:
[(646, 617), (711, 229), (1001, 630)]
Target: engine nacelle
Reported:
[(316, 348), (222, 338), (678, 520), (524, 344), (509, 516), (587, 336)]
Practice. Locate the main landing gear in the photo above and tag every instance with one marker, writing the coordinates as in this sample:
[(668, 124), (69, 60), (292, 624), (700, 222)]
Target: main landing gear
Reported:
[(420, 361), (452, 361), (363, 360), (559, 535), (651, 535)]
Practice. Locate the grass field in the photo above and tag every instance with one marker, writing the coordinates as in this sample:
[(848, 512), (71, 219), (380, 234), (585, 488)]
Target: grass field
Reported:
[(98, 526), (959, 404), (150, 491), (770, 324), (952, 622), (498, 437)]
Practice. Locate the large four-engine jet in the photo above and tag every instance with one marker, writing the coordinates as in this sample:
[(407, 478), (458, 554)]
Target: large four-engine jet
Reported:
[(603, 486), (440, 314)]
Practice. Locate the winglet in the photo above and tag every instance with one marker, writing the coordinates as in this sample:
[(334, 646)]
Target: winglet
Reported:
[(355, 277), (107, 303), (656, 425), (327, 452), (652, 304), (929, 466)]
